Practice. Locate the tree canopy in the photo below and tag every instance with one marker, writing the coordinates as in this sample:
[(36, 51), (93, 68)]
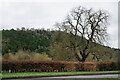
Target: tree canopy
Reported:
[(87, 23)]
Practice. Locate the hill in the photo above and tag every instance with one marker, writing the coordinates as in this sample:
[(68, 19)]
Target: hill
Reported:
[(14, 40), (52, 43)]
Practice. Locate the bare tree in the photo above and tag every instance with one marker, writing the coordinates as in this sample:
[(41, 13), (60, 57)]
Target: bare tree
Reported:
[(90, 25)]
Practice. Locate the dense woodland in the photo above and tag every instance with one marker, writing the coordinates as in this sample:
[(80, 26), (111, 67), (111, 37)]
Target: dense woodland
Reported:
[(43, 44)]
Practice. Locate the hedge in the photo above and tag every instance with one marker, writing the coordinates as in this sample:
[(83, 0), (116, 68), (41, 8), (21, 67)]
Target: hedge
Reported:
[(54, 66), (108, 66)]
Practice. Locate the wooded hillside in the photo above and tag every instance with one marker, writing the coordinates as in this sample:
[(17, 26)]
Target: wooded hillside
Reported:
[(51, 43)]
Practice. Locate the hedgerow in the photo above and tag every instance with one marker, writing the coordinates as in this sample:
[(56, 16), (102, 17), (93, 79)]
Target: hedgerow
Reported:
[(54, 66)]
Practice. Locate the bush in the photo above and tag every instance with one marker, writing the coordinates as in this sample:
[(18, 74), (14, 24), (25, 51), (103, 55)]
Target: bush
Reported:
[(89, 66), (26, 55), (108, 66), (9, 56), (114, 66), (55, 66)]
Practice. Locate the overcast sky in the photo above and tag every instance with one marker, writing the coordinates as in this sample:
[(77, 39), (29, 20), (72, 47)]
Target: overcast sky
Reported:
[(44, 15)]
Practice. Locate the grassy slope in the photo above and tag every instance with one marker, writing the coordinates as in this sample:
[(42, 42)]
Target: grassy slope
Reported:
[(24, 74)]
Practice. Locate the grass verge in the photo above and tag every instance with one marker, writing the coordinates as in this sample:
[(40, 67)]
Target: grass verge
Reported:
[(25, 74), (91, 79)]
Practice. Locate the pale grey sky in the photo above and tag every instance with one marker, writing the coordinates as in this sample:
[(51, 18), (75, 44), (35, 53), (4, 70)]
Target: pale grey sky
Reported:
[(45, 14)]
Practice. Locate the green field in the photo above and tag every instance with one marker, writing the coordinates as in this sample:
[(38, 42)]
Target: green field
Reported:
[(90, 79), (25, 74), (93, 79)]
